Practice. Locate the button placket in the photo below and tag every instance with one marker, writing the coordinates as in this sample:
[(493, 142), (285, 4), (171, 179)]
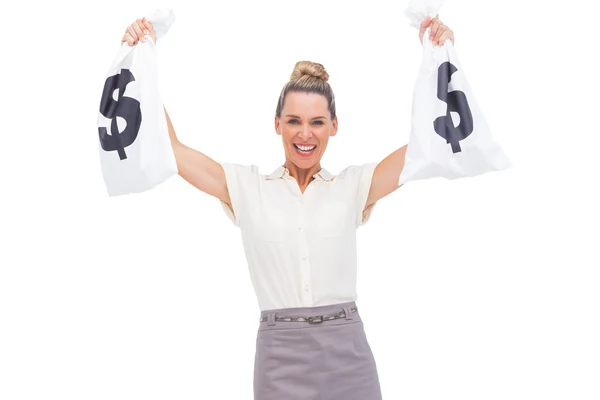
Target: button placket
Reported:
[(304, 262)]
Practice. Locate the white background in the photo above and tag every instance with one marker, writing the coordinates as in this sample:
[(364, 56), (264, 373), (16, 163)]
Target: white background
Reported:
[(480, 288)]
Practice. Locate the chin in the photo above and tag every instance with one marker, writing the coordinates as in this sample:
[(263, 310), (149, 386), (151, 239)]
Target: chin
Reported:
[(305, 162)]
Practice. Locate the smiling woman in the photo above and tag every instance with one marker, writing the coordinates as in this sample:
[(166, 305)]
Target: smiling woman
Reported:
[(298, 226)]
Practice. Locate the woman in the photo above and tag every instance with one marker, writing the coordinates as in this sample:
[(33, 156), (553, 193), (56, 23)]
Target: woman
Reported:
[(298, 228)]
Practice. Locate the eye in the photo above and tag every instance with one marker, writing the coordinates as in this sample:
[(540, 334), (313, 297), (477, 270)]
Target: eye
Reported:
[(293, 121), (318, 122)]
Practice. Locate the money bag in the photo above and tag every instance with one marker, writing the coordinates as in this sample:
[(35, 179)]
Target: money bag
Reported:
[(449, 135), (134, 144)]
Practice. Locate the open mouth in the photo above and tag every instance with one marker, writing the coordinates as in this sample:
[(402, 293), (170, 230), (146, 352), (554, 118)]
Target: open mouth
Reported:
[(305, 149)]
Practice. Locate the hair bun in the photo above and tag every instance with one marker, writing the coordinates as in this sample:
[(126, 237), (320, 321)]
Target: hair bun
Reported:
[(309, 68)]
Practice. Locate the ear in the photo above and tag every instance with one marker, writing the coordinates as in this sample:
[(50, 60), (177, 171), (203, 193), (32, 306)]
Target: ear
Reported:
[(335, 127), (277, 122)]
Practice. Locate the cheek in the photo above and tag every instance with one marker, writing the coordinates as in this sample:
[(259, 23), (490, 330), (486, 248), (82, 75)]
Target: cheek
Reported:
[(323, 135), (287, 134)]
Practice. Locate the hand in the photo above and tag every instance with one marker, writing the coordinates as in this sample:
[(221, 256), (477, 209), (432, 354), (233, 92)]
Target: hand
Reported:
[(137, 31), (439, 32)]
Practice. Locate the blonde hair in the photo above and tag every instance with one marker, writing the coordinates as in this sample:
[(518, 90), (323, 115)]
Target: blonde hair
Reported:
[(308, 77)]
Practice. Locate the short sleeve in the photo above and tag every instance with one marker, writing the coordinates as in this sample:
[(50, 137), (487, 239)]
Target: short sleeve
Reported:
[(242, 180), (359, 178)]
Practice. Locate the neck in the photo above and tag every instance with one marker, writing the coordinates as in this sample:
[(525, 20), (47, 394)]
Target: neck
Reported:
[(303, 176)]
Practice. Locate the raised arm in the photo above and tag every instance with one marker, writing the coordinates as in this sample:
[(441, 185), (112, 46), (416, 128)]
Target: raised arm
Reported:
[(198, 169), (386, 176)]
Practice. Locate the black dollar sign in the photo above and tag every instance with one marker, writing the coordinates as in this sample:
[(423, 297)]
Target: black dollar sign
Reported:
[(124, 107), (457, 102)]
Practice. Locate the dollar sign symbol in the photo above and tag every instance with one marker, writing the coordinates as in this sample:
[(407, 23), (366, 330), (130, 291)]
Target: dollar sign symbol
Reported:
[(457, 102), (125, 107)]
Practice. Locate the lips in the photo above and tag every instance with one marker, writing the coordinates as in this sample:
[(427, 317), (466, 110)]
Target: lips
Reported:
[(305, 148)]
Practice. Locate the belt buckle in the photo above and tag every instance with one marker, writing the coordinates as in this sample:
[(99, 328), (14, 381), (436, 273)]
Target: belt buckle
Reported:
[(315, 320)]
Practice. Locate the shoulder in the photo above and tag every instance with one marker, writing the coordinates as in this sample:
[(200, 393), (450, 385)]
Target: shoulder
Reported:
[(243, 185), (242, 179), (354, 173), (354, 182), (241, 171), (243, 168)]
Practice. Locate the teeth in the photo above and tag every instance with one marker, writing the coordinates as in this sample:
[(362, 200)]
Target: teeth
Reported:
[(305, 148)]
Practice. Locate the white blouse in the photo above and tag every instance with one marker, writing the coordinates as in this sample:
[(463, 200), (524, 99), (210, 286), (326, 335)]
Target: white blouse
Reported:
[(300, 248)]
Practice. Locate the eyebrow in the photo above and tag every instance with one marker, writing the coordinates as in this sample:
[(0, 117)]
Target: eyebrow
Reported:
[(295, 116)]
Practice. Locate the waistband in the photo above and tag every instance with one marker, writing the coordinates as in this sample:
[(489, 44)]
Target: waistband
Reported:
[(297, 317)]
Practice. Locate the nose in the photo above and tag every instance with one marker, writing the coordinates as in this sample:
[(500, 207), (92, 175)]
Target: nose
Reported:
[(305, 133)]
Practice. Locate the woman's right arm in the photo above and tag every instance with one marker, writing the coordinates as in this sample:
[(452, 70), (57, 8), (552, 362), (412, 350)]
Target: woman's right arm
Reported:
[(198, 169)]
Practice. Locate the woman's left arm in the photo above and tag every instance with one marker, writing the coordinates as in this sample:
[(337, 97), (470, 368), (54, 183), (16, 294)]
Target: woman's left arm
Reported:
[(387, 174)]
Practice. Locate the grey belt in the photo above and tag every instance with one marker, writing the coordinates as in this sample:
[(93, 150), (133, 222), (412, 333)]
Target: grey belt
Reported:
[(312, 320)]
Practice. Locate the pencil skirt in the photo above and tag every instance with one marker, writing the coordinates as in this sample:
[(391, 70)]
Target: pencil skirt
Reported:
[(328, 360)]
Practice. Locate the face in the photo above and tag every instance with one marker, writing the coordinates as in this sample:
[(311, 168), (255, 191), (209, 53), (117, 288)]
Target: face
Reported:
[(305, 127)]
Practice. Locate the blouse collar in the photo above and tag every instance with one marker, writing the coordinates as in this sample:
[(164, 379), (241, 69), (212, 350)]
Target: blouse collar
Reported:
[(282, 172)]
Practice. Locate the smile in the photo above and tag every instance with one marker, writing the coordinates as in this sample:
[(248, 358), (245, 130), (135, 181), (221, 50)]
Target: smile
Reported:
[(305, 149)]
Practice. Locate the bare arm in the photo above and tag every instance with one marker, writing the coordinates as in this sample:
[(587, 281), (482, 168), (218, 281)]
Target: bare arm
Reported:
[(198, 169), (386, 176)]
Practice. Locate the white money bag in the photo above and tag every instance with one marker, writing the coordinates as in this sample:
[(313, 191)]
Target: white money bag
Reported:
[(135, 148), (449, 136)]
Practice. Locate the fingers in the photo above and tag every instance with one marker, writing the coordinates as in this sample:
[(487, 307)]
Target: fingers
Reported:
[(147, 24), (128, 38), (435, 25), (447, 34), (424, 26), (137, 31), (132, 33), (443, 29), (138, 27), (149, 28), (440, 33), (442, 39)]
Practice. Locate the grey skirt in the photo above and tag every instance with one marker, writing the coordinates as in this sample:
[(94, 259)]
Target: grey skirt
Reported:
[(329, 360)]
